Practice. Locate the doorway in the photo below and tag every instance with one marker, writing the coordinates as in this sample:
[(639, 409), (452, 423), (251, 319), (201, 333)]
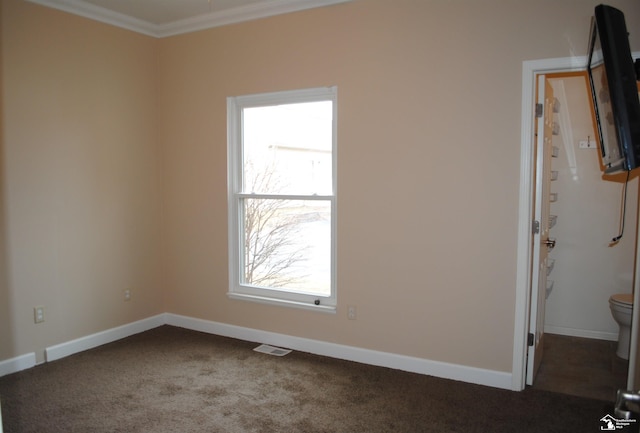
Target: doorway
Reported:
[(586, 266), (531, 70)]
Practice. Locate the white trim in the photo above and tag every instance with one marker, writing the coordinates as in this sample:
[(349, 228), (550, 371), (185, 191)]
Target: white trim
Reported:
[(583, 333), (201, 22), (480, 376), (103, 15), (445, 370), (94, 340), (16, 364), (283, 302), (241, 14)]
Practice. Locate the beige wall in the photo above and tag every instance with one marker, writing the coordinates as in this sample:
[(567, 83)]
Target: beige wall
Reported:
[(6, 335), (428, 167), (81, 175), (428, 163)]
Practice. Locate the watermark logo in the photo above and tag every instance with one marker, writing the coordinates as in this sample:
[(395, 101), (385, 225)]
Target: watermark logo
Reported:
[(610, 423)]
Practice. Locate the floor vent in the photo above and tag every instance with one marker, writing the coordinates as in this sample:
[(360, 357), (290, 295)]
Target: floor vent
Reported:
[(271, 350)]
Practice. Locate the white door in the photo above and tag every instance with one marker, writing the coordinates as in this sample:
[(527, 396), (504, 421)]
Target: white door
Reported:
[(542, 244)]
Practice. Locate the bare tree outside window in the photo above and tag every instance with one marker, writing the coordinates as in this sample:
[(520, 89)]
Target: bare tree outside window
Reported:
[(272, 229)]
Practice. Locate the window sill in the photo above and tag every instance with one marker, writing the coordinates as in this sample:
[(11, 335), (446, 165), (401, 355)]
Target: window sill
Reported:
[(331, 309)]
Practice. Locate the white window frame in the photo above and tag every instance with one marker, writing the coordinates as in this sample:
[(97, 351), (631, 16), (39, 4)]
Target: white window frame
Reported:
[(235, 107)]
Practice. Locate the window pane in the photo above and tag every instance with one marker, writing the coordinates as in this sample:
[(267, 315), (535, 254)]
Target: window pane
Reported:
[(287, 245), (287, 149)]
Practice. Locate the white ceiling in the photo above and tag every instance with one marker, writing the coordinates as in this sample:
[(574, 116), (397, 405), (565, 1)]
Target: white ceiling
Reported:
[(162, 18)]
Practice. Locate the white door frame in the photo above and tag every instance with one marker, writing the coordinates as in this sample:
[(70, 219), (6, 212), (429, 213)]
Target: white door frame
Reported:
[(530, 69)]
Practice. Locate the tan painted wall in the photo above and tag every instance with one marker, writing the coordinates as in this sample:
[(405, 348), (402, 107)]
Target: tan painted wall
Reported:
[(81, 175), (428, 167), (428, 163), (6, 335)]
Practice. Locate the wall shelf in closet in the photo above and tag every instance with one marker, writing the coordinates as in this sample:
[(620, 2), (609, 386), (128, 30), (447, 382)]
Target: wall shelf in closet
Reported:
[(549, 288), (550, 264)]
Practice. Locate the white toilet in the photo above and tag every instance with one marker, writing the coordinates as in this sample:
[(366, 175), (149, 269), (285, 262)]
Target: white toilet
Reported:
[(621, 306)]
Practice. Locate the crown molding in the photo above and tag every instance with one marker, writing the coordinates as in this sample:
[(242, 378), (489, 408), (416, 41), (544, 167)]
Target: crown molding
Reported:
[(97, 13), (241, 14), (200, 22)]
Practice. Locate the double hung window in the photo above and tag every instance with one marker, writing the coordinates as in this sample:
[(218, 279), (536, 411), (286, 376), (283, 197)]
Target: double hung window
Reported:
[(281, 197)]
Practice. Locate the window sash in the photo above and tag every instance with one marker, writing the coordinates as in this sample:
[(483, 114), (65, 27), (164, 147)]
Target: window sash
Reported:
[(238, 289)]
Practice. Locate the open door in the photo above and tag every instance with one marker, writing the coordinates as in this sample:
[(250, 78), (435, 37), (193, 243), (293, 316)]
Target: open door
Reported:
[(542, 244)]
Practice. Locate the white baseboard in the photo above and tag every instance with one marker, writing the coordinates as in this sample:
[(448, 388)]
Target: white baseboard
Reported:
[(584, 333), (16, 364), (497, 379), (90, 341)]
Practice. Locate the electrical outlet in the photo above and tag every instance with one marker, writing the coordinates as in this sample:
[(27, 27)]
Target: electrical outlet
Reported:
[(351, 312), (127, 294), (38, 314)]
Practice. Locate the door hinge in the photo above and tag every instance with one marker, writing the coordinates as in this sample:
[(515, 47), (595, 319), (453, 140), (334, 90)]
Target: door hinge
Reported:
[(535, 227), (539, 109), (530, 339)]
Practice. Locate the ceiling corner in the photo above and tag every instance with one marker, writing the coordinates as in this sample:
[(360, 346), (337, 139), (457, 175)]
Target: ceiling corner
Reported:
[(260, 9)]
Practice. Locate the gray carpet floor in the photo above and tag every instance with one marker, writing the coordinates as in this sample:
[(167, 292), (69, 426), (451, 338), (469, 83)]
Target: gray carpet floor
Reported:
[(175, 380)]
